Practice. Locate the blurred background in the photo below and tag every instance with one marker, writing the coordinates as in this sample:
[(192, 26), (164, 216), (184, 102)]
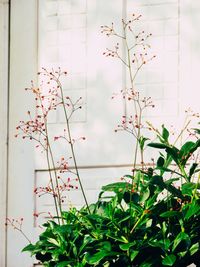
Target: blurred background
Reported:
[(67, 34)]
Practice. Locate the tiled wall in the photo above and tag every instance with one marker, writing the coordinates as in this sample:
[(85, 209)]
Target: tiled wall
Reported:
[(160, 79), (63, 43)]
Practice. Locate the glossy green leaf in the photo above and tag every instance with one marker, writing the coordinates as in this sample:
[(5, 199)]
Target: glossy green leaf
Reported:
[(194, 248), (174, 153), (160, 162), (29, 248), (134, 254), (180, 237), (188, 188), (169, 214), (126, 246), (186, 148), (63, 264), (165, 133), (169, 260), (117, 187), (142, 141), (172, 180), (158, 180), (53, 241), (193, 209), (192, 169), (158, 145), (197, 130), (96, 257), (129, 176), (144, 195), (131, 196)]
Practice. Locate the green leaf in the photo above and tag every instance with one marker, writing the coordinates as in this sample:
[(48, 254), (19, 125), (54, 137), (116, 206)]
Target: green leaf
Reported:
[(142, 141), (53, 241), (167, 243), (182, 253), (194, 248), (129, 176), (96, 257), (121, 239), (129, 196), (174, 153), (187, 149), (158, 145), (117, 187), (165, 133), (180, 237), (63, 264), (106, 245), (134, 254), (193, 209), (160, 162), (187, 188), (169, 214), (196, 130), (87, 239), (169, 260), (29, 248), (192, 169), (170, 181), (144, 195), (158, 180), (174, 191), (126, 246), (146, 264)]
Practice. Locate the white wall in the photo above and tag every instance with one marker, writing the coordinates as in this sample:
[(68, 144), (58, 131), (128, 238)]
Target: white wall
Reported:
[(171, 22)]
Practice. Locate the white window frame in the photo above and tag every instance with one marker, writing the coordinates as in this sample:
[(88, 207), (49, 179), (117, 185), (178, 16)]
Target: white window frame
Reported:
[(4, 58)]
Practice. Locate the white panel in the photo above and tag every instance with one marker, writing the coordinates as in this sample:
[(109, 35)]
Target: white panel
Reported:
[(160, 77), (62, 42), (23, 67), (3, 123)]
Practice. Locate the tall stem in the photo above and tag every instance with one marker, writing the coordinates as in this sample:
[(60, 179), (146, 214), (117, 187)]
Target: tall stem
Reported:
[(52, 185), (57, 196), (71, 144)]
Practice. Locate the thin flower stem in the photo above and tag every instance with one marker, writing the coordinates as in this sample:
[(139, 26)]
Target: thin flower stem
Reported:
[(57, 185), (52, 185), (138, 221), (25, 236), (48, 150), (182, 131), (71, 143)]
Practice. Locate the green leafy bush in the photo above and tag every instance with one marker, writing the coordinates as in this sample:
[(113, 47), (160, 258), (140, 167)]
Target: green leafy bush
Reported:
[(144, 220)]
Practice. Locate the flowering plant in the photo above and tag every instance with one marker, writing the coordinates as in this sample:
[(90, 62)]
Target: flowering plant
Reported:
[(149, 218)]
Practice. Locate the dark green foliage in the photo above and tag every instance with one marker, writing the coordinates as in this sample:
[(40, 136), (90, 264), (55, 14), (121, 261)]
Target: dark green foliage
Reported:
[(151, 218)]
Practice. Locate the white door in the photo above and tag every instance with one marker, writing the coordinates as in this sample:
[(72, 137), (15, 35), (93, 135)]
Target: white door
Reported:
[(47, 33)]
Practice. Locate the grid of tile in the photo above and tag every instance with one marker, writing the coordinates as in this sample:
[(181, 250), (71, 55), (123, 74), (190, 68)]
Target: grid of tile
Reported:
[(160, 78), (62, 43)]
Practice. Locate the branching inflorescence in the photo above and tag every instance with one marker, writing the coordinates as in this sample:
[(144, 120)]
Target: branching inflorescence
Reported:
[(137, 55), (49, 96)]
